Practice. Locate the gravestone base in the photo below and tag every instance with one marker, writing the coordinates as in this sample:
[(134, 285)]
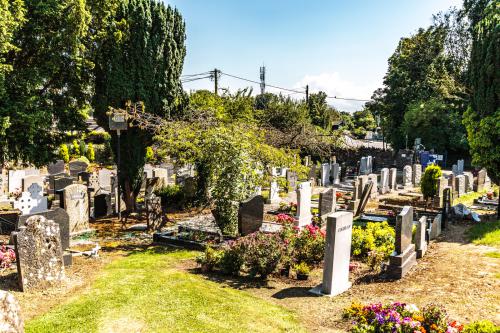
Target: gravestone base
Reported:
[(401, 264), (337, 290), (303, 221), (421, 252)]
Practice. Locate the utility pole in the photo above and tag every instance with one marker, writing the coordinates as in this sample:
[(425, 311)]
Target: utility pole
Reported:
[(307, 94), (262, 80), (216, 83)]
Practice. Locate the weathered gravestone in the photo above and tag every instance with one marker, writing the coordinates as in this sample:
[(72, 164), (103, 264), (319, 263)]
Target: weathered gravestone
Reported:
[(291, 178), (61, 218), (77, 166), (373, 178), (384, 181), (56, 167), (325, 174), (38, 254), (304, 216), (58, 183), (404, 256), (460, 167), (104, 176), (31, 179), (154, 213), (4, 182), (460, 185), (356, 194), (76, 204), (393, 172), (16, 180), (442, 183), (337, 255), (416, 174), (420, 239), (32, 201), (480, 181), (274, 196), (327, 202), (336, 173), (469, 182), (363, 166), (10, 314), (94, 182), (435, 227), (407, 176), (250, 215)]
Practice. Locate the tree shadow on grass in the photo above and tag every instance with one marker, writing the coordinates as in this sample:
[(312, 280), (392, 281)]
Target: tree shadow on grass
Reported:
[(294, 292), (235, 282)]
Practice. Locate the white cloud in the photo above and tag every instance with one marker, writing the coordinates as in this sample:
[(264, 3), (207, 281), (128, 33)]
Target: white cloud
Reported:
[(334, 85)]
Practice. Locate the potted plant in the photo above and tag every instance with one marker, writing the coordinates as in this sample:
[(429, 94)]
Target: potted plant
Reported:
[(302, 270)]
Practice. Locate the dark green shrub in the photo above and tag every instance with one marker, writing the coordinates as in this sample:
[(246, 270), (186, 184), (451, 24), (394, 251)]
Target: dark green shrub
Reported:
[(428, 183), (232, 259), (263, 253), (171, 194), (482, 326)]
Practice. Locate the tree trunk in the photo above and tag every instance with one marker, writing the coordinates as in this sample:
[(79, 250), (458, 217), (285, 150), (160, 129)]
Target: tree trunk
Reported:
[(129, 196)]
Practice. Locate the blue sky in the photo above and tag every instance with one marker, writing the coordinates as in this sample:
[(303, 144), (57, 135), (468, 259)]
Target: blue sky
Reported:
[(340, 47)]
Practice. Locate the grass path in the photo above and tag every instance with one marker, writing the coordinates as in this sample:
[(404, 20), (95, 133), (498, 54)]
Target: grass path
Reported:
[(145, 292)]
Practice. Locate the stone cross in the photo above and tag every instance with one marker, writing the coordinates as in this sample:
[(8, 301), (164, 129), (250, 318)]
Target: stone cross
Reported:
[(304, 215), (407, 176), (32, 201), (31, 179), (39, 254), (337, 255), (327, 202), (404, 256), (274, 196), (420, 239), (76, 204), (250, 215)]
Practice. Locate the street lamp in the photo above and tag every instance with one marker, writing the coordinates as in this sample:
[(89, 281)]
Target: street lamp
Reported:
[(118, 123)]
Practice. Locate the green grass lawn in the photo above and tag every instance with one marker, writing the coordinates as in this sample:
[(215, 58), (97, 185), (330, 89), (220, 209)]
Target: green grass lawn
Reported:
[(485, 233), (144, 292)]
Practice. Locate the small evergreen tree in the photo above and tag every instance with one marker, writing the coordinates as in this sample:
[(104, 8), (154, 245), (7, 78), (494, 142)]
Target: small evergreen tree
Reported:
[(428, 183)]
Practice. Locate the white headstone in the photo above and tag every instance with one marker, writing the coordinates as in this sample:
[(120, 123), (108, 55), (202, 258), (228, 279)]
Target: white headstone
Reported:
[(336, 173), (420, 241), (274, 196), (337, 255), (384, 181), (304, 192), (16, 180), (392, 178), (32, 201), (407, 176), (325, 174)]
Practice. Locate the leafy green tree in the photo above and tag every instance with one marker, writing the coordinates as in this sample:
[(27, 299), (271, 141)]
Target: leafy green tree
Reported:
[(140, 58), (420, 69), (482, 118), (320, 112), (283, 113), (46, 89)]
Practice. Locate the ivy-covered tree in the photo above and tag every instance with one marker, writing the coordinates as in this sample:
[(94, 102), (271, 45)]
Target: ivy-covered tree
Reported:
[(139, 59), (482, 118), (46, 87)]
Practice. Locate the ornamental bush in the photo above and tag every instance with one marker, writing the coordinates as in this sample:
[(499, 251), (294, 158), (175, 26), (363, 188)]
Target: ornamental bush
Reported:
[(428, 183), (64, 153), (482, 326), (90, 152), (263, 253), (232, 259), (308, 245), (376, 239)]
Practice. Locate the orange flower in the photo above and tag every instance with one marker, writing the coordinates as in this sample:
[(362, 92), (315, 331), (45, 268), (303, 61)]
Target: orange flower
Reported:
[(422, 329)]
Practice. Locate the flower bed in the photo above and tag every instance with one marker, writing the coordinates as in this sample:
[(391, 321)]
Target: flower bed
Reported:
[(7, 257)]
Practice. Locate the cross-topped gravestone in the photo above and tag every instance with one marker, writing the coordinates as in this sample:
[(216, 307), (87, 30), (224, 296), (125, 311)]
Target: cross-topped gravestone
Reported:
[(31, 179), (38, 254), (304, 215), (404, 256), (32, 201), (337, 255), (250, 215), (76, 204)]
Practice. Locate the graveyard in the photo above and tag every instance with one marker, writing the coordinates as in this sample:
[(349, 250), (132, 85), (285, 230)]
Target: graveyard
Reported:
[(138, 194)]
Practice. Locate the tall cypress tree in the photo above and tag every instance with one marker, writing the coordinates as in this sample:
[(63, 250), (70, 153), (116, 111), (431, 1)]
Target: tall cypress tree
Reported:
[(482, 118), (141, 59)]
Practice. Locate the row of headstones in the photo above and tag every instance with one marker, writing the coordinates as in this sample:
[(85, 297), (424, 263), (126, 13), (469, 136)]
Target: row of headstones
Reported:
[(251, 211), (338, 248), (330, 174)]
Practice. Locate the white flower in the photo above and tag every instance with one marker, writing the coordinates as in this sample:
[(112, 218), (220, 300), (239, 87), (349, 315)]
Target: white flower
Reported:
[(411, 308)]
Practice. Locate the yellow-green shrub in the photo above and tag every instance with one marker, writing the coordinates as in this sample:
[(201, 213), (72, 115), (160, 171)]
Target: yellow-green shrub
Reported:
[(378, 237)]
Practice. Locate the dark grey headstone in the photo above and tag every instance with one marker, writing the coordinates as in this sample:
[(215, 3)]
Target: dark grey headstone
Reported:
[(59, 183), (102, 205), (84, 177), (405, 256), (75, 167), (38, 254), (56, 167), (250, 215), (327, 200)]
